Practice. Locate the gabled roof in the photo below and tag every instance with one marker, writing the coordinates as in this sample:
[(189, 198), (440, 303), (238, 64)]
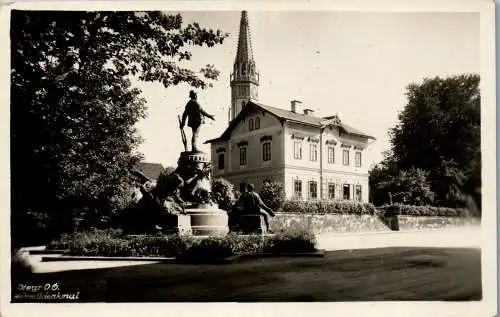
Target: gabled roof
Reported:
[(285, 115), (150, 170)]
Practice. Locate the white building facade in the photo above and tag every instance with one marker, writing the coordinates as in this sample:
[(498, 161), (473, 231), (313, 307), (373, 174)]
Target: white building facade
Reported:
[(314, 157)]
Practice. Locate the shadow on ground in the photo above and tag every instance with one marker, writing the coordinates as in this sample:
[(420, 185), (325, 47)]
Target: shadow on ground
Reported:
[(384, 274)]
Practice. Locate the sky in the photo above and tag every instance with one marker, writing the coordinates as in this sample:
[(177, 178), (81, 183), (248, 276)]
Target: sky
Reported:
[(355, 64)]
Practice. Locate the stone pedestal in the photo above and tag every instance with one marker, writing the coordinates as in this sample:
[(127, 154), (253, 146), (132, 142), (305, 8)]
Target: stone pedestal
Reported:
[(252, 224), (205, 218), (208, 221), (180, 224)]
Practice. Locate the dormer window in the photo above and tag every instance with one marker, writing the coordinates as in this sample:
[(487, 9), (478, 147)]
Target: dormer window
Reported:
[(250, 124)]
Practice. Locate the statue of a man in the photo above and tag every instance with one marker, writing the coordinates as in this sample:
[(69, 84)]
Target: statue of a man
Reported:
[(195, 113)]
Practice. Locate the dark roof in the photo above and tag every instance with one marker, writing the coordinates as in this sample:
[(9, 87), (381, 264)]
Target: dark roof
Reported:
[(286, 115), (150, 170)]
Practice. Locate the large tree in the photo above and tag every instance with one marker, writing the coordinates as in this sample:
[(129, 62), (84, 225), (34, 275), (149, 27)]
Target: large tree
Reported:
[(74, 109), (439, 132)]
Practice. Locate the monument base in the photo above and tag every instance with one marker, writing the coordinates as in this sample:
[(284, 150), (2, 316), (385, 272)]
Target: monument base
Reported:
[(208, 221), (252, 224), (177, 224)]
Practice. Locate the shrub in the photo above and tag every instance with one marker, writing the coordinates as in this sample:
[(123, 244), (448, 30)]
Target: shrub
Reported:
[(167, 246), (20, 266), (273, 195), (38, 225), (209, 249), (328, 207), (101, 243), (245, 244), (66, 240), (301, 241), (429, 211), (223, 193)]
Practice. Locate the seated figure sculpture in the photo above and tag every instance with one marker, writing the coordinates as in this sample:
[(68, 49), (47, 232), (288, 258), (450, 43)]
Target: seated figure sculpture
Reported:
[(252, 205), (237, 210)]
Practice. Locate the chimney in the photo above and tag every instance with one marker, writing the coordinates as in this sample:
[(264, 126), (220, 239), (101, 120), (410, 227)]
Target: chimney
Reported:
[(295, 106), (308, 112)]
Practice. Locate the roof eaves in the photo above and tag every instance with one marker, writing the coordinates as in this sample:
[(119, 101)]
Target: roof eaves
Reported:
[(302, 122)]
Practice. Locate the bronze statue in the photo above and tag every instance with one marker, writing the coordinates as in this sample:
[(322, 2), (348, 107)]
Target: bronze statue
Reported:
[(195, 114)]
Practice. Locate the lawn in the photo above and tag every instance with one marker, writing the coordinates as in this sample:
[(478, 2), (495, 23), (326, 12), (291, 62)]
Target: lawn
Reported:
[(386, 274)]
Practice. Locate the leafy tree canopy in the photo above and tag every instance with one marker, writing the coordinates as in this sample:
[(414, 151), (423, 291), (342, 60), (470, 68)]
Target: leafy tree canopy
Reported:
[(439, 132), (73, 107)]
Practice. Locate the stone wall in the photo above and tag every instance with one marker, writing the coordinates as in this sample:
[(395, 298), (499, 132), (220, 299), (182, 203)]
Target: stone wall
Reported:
[(337, 223), (422, 222), (331, 223)]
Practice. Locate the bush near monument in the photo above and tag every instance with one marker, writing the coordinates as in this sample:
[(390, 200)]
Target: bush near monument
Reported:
[(223, 193), (113, 243), (273, 195)]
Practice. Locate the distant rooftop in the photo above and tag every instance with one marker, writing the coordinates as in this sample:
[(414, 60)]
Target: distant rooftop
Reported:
[(150, 170)]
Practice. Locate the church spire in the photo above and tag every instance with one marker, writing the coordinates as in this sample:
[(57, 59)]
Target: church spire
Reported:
[(244, 52), (244, 78)]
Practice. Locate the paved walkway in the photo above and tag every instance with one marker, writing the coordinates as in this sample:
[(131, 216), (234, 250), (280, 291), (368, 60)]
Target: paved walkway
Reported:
[(466, 237)]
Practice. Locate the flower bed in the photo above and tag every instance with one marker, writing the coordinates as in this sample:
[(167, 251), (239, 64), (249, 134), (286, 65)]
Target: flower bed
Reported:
[(101, 243)]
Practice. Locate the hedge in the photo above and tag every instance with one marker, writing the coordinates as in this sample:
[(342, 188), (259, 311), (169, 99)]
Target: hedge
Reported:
[(426, 211), (101, 243), (328, 207), (358, 208)]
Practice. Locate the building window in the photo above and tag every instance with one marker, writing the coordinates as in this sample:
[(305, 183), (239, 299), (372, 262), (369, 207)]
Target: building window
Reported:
[(331, 155), (313, 155), (243, 156), (358, 192), (347, 191), (297, 189), (331, 191), (358, 159), (250, 124), (313, 190), (266, 151), (220, 161), (345, 157), (257, 123), (297, 150)]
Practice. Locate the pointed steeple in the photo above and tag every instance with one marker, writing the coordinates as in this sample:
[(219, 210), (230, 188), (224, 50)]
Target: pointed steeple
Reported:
[(244, 53), (244, 78)]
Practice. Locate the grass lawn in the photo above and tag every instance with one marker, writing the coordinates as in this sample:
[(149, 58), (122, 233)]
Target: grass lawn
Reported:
[(386, 274)]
